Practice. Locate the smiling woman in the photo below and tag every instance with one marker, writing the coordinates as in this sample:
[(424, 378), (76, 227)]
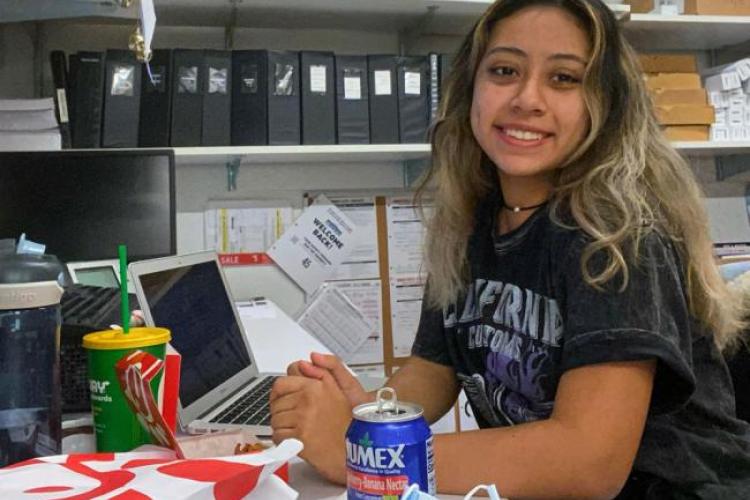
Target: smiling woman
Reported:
[(572, 291)]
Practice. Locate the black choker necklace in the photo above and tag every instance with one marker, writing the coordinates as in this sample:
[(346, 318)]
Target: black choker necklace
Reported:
[(521, 209)]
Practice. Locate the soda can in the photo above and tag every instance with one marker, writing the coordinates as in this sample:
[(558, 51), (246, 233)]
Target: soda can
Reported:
[(388, 448)]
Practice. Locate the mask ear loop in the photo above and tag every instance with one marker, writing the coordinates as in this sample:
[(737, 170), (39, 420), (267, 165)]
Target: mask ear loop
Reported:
[(490, 489), (413, 493)]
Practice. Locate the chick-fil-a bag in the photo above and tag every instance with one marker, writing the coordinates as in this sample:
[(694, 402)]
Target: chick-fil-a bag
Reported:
[(152, 474)]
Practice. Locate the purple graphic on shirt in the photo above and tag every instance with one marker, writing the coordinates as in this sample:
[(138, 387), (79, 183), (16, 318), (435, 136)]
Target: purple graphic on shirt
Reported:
[(520, 388)]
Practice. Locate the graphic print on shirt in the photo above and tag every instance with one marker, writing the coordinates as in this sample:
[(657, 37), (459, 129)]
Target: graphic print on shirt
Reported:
[(518, 333)]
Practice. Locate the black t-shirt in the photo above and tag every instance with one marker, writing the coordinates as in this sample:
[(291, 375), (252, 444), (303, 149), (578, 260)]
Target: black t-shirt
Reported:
[(528, 316)]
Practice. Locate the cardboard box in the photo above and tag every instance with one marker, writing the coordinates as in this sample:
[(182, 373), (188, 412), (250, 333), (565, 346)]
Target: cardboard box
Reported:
[(640, 6), (673, 81), (668, 63), (687, 132), (667, 97), (685, 114), (718, 7)]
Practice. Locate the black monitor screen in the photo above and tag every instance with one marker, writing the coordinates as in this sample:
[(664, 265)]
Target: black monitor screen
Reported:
[(82, 204)]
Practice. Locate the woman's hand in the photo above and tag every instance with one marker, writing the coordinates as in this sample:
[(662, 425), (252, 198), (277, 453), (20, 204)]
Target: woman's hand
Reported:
[(327, 363), (317, 412)]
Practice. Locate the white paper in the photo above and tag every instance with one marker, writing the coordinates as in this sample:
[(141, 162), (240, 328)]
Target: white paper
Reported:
[(315, 244), (405, 237), (363, 262), (318, 79), (382, 80), (367, 296), (148, 22), (406, 307), (256, 309), (246, 226), (352, 88), (336, 322), (412, 83), (446, 424)]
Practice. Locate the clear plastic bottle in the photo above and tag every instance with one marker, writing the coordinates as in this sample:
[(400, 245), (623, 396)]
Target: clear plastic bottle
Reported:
[(29, 357)]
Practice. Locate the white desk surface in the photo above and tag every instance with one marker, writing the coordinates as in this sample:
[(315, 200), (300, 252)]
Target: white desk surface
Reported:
[(310, 486)]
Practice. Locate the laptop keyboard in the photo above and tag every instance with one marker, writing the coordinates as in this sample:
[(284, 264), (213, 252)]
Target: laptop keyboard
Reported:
[(250, 409)]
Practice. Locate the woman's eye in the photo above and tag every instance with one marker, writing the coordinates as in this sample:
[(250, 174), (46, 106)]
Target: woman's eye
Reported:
[(503, 71), (566, 79)]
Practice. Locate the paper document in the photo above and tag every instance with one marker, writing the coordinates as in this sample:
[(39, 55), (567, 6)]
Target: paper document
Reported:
[(405, 237), (336, 322), (367, 296), (316, 243), (363, 262), (406, 308), (249, 226)]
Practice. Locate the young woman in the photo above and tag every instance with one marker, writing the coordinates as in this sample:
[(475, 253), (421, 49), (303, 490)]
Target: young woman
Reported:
[(572, 290)]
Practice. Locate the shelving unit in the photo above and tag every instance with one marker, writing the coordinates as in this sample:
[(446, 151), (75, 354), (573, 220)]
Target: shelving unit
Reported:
[(308, 154), (657, 32)]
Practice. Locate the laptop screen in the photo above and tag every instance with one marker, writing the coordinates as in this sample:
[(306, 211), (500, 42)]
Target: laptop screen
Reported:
[(192, 302)]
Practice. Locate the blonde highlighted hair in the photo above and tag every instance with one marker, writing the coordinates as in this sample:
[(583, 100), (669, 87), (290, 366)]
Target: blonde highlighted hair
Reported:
[(622, 181)]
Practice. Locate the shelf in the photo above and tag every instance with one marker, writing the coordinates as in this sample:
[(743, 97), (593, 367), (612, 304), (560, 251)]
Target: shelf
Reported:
[(429, 17), (708, 148), (304, 154), (45, 10), (656, 32), (373, 153)]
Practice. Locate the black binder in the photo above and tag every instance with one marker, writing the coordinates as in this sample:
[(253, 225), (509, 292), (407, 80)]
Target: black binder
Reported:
[(59, 67), (87, 78), (381, 70), (217, 98), (284, 127), (156, 100), (122, 100), (249, 97), (187, 98), (352, 100), (413, 98), (318, 97)]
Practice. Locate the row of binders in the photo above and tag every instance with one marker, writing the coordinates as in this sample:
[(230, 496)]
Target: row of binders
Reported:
[(195, 97)]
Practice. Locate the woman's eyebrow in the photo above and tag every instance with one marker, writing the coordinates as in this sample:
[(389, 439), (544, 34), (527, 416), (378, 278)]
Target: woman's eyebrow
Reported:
[(520, 53)]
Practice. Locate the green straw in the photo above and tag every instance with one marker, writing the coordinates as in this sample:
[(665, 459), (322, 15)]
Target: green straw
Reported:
[(122, 250)]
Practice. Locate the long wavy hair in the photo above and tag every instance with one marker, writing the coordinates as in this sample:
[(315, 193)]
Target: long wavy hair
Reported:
[(622, 180)]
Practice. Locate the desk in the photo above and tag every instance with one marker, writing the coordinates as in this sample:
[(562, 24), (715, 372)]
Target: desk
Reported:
[(304, 479)]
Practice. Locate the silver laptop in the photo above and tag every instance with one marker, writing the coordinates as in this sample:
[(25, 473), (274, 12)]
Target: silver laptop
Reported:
[(220, 386)]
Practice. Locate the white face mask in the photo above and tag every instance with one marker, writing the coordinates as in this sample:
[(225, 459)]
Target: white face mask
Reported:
[(413, 493)]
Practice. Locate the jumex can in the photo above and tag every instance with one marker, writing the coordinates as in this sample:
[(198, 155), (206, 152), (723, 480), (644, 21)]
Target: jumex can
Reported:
[(388, 448)]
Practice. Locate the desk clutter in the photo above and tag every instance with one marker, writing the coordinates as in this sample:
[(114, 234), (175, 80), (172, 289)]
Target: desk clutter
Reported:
[(195, 97)]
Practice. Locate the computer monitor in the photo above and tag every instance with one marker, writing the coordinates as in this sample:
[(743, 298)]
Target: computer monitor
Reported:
[(82, 204)]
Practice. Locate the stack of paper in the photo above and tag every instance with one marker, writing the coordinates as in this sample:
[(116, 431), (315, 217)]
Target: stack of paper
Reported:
[(28, 124)]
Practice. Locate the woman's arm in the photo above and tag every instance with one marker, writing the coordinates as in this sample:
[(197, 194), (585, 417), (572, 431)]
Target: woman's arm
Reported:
[(431, 385), (585, 449)]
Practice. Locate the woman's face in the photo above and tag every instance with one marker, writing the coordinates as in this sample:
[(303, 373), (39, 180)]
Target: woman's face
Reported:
[(528, 112)]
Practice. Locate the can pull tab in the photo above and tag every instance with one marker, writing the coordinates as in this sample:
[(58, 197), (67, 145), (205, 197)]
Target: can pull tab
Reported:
[(386, 405)]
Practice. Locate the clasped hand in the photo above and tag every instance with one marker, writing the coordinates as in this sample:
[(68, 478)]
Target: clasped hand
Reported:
[(314, 404)]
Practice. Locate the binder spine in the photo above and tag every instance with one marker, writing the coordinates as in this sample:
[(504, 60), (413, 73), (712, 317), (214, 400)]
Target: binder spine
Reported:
[(87, 96), (249, 98), (62, 95), (284, 114)]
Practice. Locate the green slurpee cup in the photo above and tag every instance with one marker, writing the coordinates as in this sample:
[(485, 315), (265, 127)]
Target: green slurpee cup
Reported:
[(116, 427)]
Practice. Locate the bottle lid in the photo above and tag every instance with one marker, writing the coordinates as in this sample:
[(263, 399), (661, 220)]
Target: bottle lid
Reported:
[(29, 281), (109, 340)]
